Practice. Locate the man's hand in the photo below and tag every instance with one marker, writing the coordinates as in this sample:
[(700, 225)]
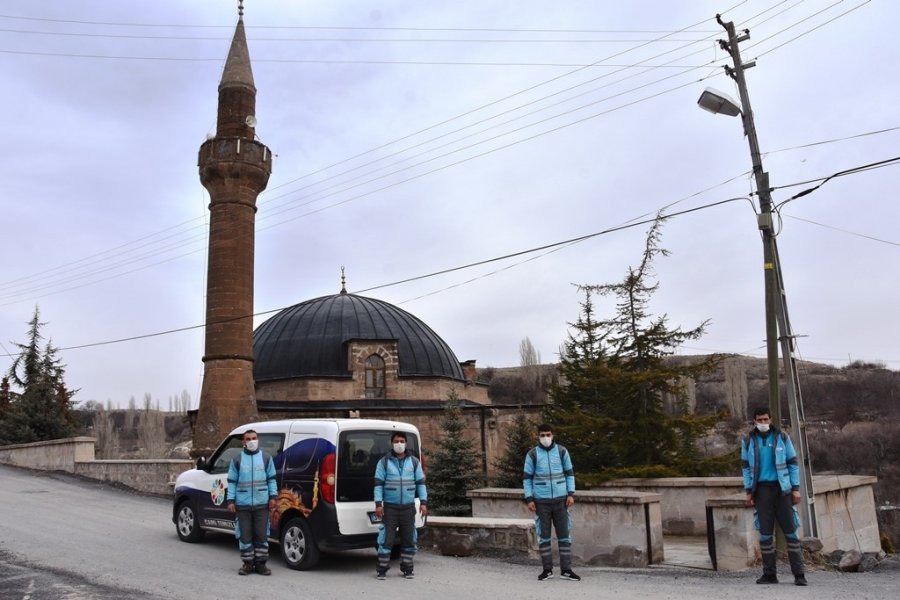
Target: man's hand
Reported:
[(379, 512), (570, 500), (232, 508), (749, 499), (531, 506), (423, 510), (271, 504), (795, 497)]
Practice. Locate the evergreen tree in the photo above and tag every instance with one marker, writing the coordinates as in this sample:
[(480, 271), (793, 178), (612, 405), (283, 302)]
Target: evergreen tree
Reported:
[(519, 440), (609, 410), (42, 410), (453, 468)]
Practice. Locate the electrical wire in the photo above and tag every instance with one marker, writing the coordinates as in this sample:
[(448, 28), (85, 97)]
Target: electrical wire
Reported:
[(847, 231), (567, 242), (370, 181)]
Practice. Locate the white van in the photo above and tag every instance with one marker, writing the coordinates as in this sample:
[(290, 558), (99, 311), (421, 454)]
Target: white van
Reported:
[(325, 470)]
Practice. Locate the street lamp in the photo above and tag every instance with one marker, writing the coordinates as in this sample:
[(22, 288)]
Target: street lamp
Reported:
[(718, 103)]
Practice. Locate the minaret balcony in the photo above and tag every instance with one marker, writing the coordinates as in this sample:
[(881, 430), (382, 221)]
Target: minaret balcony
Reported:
[(235, 150)]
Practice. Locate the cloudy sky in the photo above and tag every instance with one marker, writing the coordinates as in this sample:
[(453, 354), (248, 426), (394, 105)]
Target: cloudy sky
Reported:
[(413, 137)]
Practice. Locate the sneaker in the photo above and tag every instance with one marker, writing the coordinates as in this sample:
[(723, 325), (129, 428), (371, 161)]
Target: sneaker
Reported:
[(262, 569), (246, 568), (570, 575), (545, 575), (381, 574), (767, 579), (409, 574), (800, 580)]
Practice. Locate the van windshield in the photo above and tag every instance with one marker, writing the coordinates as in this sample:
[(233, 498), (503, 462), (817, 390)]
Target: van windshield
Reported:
[(358, 454)]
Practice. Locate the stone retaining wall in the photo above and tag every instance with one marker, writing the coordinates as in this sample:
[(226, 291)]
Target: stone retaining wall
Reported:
[(76, 455), (612, 528), (463, 536)]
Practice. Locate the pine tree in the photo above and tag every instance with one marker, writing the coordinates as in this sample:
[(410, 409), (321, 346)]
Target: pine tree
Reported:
[(42, 410), (454, 466), (609, 411), (519, 440)]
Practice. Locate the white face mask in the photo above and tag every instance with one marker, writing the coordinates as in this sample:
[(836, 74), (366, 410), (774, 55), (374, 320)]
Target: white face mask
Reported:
[(546, 441), (762, 427), (252, 445), (399, 447)]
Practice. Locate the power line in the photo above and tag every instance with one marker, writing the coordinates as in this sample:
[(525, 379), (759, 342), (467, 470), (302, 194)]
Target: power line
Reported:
[(370, 181), (418, 164), (567, 242), (833, 140), (847, 231), (345, 28)]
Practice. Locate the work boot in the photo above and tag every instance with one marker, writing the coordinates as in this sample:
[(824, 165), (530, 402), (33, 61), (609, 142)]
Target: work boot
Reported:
[(767, 579), (246, 568), (262, 569), (800, 579)]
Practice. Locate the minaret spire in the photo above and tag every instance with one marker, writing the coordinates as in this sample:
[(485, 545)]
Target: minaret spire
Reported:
[(234, 168)]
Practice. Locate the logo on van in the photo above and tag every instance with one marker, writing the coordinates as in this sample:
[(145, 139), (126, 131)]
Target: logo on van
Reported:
[(217, 492)]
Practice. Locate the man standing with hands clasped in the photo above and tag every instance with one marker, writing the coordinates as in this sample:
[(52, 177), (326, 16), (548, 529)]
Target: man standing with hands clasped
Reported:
[(772, 483), (549, 483), (399, 478), (251, 494)]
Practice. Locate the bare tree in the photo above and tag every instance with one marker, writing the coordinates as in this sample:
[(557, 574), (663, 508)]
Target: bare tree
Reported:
[(530, 361), (151, 430), (106, 434)]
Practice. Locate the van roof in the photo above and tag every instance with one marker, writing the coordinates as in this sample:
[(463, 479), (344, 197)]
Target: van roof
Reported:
[(333, 424)]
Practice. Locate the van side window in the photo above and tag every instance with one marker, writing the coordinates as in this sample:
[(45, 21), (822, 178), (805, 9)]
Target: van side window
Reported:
[(226, 454), (271, 443)]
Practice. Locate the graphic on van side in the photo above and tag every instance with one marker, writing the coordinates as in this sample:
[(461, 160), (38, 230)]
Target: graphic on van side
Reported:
[(217, 491), (306, 473)]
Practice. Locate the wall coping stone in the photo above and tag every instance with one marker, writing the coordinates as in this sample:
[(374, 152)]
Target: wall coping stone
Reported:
[(479, 522), (728, 502), (583, 496), (57, 442)]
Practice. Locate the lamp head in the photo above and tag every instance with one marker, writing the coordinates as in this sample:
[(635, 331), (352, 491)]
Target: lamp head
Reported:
[(718, 103)]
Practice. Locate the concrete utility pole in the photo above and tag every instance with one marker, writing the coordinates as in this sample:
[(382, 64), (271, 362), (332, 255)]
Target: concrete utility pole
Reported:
[(776, 308)]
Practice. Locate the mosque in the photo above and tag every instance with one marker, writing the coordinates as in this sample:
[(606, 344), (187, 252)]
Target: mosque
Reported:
[(342, 355)]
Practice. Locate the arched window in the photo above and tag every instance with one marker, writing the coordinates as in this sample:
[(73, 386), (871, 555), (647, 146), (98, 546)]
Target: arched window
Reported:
[(374, 377)]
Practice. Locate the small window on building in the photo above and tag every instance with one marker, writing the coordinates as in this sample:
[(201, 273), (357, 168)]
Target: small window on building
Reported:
[(374, 377)]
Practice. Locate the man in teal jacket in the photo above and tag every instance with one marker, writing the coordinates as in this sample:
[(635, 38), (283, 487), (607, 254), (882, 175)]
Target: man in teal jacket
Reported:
[(549, 483), (399, 479), (251, 494), (772, 482)]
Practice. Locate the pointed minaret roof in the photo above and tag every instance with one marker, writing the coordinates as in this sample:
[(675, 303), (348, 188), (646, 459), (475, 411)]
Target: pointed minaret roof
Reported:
[(237, 66)]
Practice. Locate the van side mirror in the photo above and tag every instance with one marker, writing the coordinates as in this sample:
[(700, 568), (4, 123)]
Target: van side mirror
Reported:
[(201, 463)]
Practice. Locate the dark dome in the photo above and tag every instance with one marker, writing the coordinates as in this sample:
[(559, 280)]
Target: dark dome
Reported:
[(310, 340)]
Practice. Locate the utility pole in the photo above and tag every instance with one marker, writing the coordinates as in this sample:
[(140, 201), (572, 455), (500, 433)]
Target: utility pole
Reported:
[(775, 303), (764, 220)]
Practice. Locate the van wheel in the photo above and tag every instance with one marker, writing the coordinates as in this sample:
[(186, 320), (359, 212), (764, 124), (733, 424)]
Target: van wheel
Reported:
[(186, 523), (298, 546)]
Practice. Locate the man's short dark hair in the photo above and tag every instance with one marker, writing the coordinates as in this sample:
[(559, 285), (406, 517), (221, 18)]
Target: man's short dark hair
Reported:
[(243, 435), (545, 427), (398, 434), (760, 411)]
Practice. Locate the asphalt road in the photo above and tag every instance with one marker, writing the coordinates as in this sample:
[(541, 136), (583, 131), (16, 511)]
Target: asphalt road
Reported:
[(62, 538)]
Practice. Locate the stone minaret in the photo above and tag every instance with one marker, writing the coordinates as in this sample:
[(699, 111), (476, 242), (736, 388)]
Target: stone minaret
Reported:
[(234, 168)]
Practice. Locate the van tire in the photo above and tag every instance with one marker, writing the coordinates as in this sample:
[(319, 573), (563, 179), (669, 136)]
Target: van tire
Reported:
[(298, 547), (186, 523)]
